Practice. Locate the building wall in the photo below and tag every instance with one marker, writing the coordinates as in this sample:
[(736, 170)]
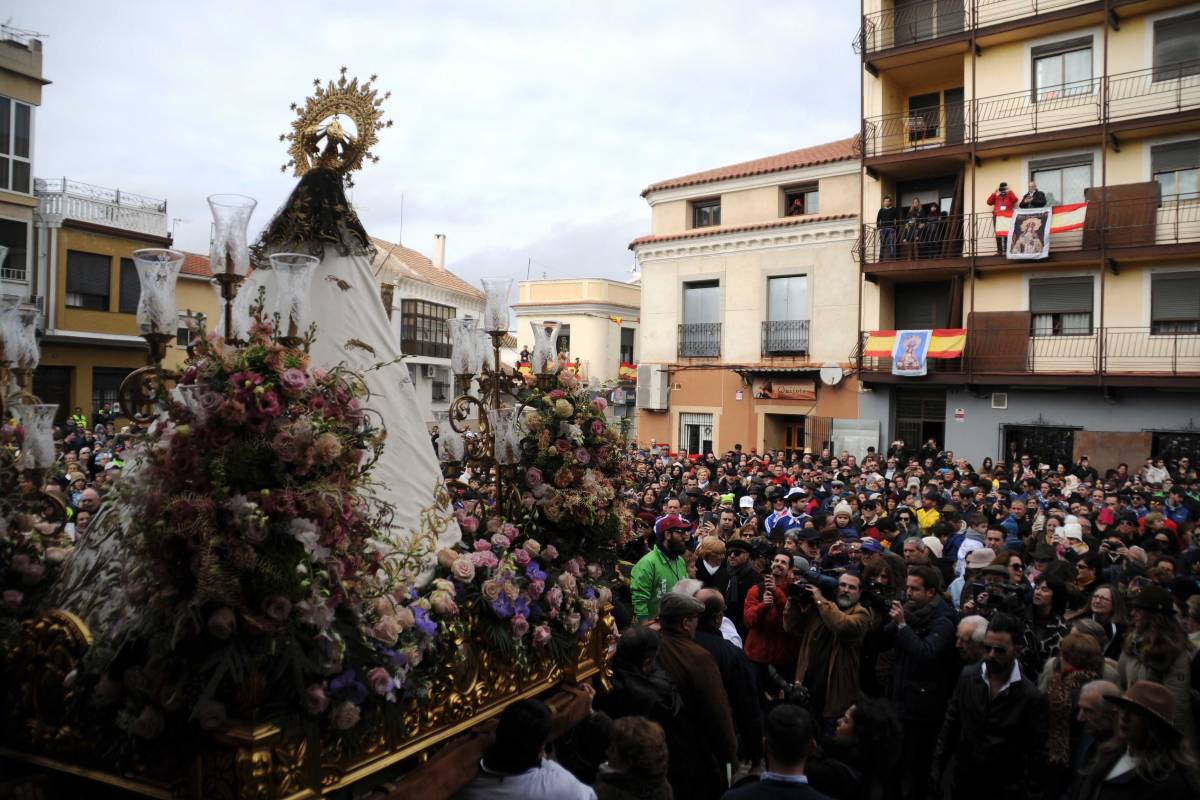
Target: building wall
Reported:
[(81, 359)]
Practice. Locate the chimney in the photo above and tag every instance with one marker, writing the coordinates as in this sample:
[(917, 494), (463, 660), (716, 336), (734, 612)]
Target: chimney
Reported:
[(439, 250)]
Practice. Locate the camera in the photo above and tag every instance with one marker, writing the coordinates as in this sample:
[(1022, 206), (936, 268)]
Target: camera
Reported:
[(878, 595), (777, 686), (1006, 597)]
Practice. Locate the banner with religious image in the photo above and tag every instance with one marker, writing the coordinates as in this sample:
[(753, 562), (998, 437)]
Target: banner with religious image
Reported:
[(910, 352), (1029, 235)]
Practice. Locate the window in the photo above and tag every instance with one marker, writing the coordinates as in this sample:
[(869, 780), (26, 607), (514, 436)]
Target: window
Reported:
[(1177, 47), (130, 289), (562, 344), (700, 333), (106, 386), (186, 330), (1061, 306), (53, 385), (706, 213), (16, 122), (1062, 69), (924, 113), (627, 338), (15, 236), (695, 432), (423, 328), (787, 298), (1175, 166), (801, 200), (1064, 180), (87, 280), (441, 388), (1175, 302)]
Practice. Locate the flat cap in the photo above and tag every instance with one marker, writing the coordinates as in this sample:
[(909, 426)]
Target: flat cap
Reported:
[(679, 606)]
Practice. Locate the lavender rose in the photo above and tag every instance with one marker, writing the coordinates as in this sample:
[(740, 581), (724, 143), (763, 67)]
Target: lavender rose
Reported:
[(345, 715), (380, 680), (520, 626), (534, 477), (315, 699), (293, 381), (541, 636)]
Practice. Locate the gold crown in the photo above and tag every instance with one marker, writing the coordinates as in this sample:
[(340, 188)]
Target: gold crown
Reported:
[(342, 151)]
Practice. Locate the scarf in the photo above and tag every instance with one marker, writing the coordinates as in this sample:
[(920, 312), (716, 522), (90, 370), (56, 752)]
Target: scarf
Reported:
[(1060, 698)]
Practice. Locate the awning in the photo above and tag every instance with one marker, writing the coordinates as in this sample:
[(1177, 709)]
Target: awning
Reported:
[(1066, 218), (943, 343)]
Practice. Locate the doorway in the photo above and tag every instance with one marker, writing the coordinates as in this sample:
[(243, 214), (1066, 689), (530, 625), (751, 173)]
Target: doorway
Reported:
[(53, 385), (695, 433), (922, 306), (920, 416)]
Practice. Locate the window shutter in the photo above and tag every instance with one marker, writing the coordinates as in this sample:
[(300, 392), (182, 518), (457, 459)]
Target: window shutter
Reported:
[(1061, 296), (1176, 40), (87, 273), (1175, 297), (1056, 48), (1175, 156), (130, 289)]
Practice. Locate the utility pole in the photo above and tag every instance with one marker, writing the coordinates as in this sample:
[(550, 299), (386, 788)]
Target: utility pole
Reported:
[(528, 266)]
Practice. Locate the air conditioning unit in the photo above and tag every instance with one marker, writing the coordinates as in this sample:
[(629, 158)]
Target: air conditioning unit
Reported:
[(429, 371), (1000, 400), (652, 387)]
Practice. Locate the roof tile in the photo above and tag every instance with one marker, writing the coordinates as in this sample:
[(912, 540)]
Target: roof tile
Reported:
[(196, 265), (718, 230), (841, 150), (405, 262)]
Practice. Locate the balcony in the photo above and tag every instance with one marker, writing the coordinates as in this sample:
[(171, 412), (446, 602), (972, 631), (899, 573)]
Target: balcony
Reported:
[(66, 199), (1117, 356), (700, 340), (424, 347), (1138, 228), (1126, 101), (785, 337)]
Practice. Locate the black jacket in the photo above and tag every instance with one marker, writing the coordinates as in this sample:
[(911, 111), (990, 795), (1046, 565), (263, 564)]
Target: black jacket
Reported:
[(717, 580), (735, 591), (984, 731), (887, 217), (923, 648), (1036, 200), (741, 684), (773, 790), (1129, 786)]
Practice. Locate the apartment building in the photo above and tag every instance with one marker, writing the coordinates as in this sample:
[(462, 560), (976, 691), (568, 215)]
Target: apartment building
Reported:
[(21, 85), (423, 296), (598, 323), (87, 288), (1091, 346), (750, 304)]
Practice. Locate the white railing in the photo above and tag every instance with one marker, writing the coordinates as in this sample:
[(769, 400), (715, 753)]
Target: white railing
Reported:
[(109, 207)]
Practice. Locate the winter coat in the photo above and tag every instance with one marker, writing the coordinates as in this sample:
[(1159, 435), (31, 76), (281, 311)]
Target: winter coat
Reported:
[(613, 785), (849, 629), (652, 577), (1176, 676), (918, 689), (741, 685), (735, 590), (1128, 786), (766, 640)]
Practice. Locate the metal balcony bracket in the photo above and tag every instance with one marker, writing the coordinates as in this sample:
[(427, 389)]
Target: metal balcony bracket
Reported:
[(872, 173), (1113, 266), (871, 277), (1109, 395), (978, 162), (1114, 20), (871, 68), (1114, 142), (978, 50)]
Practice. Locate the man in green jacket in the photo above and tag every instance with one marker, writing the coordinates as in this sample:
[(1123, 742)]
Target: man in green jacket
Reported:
[(660, 569)]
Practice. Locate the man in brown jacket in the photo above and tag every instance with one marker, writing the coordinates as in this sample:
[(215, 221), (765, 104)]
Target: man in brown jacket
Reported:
[(701, 769), (831, 635)]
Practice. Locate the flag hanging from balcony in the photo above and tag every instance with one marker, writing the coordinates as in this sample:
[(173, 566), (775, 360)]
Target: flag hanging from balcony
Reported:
[(899, 346), (1031, 240)]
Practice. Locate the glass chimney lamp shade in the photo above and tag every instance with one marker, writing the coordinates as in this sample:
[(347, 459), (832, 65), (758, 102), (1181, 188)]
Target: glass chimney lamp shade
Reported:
[(451, 445), (544, 337), (495, 314), (506, 429), (29, 354), (37, 446), (462, 345), (158, 272), (293, 282), (10, 291), (230, 250), (482, 355), (10, 334)]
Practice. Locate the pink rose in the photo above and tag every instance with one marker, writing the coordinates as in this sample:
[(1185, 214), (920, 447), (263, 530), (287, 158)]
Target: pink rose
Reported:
[(501, 542), (277, 607), (405, 617), (482, 544), (443, 604), (315, 699), (541, 636), (550, 552), (387, 630), (533, 477), (557, 394), (379, 680), (554, 597), (520, 626), (12, 599), (469, 525), (535, 589), (463, 570), (222, 623), (490, 590), (484, 560), (344, 716), (532, 546), (292, 381), (574, 567), (447, 557), (597, 427), (599, 404), (566, 582), (582, 455), (522, 557)]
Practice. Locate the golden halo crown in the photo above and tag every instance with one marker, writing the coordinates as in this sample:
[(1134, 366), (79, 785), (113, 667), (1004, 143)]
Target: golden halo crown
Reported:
[(317, 136)]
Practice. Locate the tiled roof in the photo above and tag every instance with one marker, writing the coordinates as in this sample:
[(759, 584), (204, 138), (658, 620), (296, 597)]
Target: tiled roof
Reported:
[(718, 230), (196, 265), (405, 262), (841, 150)]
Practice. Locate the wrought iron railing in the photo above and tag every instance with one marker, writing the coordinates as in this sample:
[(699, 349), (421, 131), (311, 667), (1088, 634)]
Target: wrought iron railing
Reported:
[(700, 340), (1128, 95), (1126, 351), (930, 20), (13, 274), (422, 347), (785, 337), (1174, 219)]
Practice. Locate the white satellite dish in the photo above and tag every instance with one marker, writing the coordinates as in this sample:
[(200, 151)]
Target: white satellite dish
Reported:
[(831, 374)]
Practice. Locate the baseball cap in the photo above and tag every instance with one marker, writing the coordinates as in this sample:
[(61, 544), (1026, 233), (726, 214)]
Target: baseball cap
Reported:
[(870, 545), (746, 502), (796, 490)]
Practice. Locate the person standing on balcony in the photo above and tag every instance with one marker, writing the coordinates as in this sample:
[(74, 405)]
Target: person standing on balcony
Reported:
[(1034, 198), (885, 223), (1002, 201), (914, 227)]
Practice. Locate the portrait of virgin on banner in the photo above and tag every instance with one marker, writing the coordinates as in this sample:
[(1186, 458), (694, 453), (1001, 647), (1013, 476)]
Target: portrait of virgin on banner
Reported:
[(910, 352)]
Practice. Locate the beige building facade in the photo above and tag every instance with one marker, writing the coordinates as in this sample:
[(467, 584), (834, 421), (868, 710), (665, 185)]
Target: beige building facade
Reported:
[(750, 304), (21, 85), (1096, 103)]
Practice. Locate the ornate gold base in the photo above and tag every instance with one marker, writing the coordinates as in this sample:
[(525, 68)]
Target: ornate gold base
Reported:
[(243, 761)]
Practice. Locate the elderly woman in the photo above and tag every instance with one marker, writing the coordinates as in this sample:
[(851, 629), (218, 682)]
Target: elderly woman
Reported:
[(1079, 662), (1157, 650), (710, 564), (637, 763)]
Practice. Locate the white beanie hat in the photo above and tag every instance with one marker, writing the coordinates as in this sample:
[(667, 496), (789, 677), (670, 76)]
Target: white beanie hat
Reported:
[(934, 545)]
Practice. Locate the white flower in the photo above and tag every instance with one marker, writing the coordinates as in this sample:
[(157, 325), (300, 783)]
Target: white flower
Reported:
[(306, 533), (238, 504), (315, 613)]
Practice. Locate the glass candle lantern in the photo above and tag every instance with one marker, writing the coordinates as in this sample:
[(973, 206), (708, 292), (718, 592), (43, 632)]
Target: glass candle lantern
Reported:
[(451, 445), (506, 430), (37, 446), (230, 251), (462, 345), (10, 334), (495, 315), (293, 281), (158, 271), (482, 355), (545, 334), (27, 352)]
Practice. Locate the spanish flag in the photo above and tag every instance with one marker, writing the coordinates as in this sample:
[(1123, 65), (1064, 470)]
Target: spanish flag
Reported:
[(944, 343), (1065, 218)]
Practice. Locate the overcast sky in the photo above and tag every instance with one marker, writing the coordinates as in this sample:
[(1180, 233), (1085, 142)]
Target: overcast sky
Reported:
[(521, 129)]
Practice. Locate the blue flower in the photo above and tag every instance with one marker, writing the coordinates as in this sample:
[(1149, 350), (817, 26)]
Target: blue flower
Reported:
[(502, 606), (398, 660), (424, 624), (587, 593), (346, 687), (533, 573), (522, 607)]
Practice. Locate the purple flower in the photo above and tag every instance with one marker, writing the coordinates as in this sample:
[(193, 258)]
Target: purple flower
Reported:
[(533, 476), (292, 381), (502, 606), (582, 455), (521, 607), (550, 552), (587, 593), (424, 624), (533, 573), (597, 427), (346, 686)]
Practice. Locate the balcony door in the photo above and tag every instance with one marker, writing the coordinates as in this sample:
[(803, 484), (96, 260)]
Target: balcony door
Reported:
[(787, 325), (920, 416), (700, 333), (921, 306)]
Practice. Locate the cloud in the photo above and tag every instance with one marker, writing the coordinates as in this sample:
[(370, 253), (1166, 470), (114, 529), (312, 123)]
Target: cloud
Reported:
[(521, 129)]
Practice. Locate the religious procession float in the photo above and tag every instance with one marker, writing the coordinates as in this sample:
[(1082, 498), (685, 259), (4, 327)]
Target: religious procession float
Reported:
[(280, 598)]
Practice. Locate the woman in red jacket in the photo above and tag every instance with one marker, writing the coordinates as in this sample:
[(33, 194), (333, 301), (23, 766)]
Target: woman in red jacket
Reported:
[(1003, 200)]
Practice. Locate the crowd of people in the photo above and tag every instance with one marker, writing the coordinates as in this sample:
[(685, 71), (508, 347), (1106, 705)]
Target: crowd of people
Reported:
[(92, 453), (910, 625)]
